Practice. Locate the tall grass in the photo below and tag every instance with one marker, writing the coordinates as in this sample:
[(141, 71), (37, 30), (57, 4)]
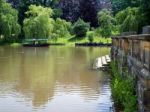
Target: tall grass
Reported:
[(123, 90)]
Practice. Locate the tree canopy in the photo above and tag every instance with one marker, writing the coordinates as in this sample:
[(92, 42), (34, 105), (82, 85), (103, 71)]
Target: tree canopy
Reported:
[(106, 21), (43, 18), (145, 9), (61, 29), (118, 5), (38, 23), (9, 26), (129, 19), (80, 28)]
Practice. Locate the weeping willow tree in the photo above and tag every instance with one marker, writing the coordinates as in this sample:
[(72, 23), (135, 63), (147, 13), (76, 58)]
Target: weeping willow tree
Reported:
[(129, 19), (106, 22), (38, 23), (9, 27)]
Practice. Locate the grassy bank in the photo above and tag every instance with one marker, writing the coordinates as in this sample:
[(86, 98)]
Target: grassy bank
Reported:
[(66, 41), (123, 91), (72, 41)]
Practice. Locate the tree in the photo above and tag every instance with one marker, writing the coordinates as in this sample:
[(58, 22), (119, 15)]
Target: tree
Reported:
[(38, 23), (57, 12), (85, 9), (22, 6), (129, 19), (80, 28), (88, 11), (51, 3), (118, 5), (61, 29), (106, 21), (145, 9), (9, 26)]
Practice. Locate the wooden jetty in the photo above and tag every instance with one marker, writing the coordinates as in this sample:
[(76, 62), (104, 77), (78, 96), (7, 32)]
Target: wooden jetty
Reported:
[(102, 62)]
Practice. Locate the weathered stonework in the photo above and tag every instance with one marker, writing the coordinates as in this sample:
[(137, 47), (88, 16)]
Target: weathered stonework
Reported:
[(132, 54), (146, 30)]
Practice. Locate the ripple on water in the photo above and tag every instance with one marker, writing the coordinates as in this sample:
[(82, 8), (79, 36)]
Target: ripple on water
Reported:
[(52, 79)]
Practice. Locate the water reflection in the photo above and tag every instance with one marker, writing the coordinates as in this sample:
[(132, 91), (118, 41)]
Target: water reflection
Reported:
[(56, 79)]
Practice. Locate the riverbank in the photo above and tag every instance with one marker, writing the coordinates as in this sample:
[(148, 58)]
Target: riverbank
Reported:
[(84, 40), (93, 44), (98, 41)]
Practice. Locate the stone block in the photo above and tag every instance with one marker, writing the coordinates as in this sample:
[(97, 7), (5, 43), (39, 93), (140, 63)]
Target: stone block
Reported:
[(140, 107), (129, 33), (146, 98), (147, 109), (145, 83), (146, 30), (143, 95), (144, 78)]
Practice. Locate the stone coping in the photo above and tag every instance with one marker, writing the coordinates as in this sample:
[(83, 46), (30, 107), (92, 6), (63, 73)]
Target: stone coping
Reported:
[(134, 37)]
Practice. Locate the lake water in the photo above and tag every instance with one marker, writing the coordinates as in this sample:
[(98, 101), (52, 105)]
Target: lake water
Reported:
[(54, 79)]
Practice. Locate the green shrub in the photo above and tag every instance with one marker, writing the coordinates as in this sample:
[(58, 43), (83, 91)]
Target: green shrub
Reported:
[(80, 28), (90, 36), (61, 29), (123, 90)]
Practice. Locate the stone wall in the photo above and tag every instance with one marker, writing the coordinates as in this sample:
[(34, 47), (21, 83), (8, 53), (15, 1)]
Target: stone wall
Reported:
[(132, 55)]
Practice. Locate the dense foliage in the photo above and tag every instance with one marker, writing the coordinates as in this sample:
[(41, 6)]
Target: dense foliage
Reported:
[(129, 19), (85, 9), (119, 5), (38, 23), (145, 9), (90, 36), (43, 18), (22, 6), (9, 27), (143, 5), (106, 22), (80, 28), (123, 90), (61, 29)]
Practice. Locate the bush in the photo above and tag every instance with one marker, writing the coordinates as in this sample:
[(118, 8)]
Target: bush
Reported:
[(61, 29), (123, 90), (80, 28), (90, 36)]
